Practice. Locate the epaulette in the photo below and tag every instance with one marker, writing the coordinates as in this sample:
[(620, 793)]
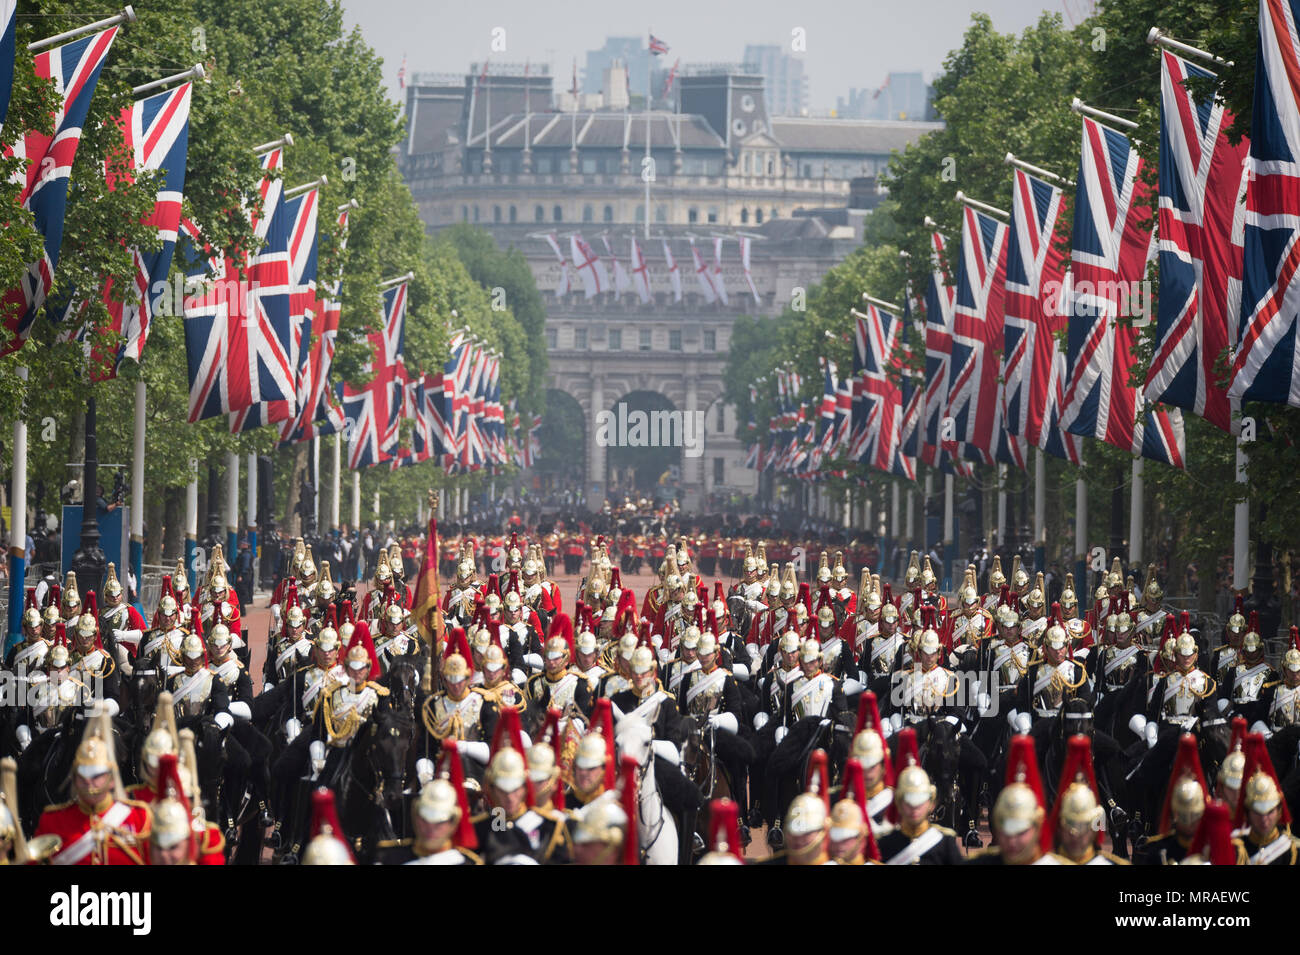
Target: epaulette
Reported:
[(379, 689), (472, 857), (1115, 859), (475, 820), (946, 831), (57, 806), (394, 843)]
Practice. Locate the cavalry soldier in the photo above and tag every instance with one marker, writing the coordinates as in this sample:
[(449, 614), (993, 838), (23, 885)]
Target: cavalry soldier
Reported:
[(620, 678), (852, 841), (916, 841), (539, 593), (512, 831), (730, 645), (324, 592), (560, 684), (218, 602), (1034, 622), (1281, 699), (1178, 699), (781, 613), (1150, 614), (1251, 674), (440, 816), (1226, 657), (1077, 816), (604, 831), (997, 580), (846, 601), (524, 628), (30, 654), (69, 601), (1050, 680), (196, 695), (462, 598), (496, 678), (751, 584), (1080, 629), (397, 564), (229, 671), (162, 740), (911, 581), (162, 643), (100, 826), (972, 625), (1020, 831), (824, 628), (1263, 813), (460, 711), (90, 662), (293, 645), (807, 820), (883, 651), (711, 695), (122, 622), (181, 588), (686, 661), (1010, 653), (593, 763), (379, 585), (926, 689), (396, 633), (587, 652), (174, 837), (1117, 661), (1181, 813), (930, 586)]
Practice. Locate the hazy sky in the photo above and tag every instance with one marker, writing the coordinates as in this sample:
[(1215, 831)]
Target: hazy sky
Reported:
[(850, 43)]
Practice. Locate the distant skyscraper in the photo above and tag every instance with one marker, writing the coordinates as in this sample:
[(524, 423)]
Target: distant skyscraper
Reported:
[(630, 51), (901, 96), (785, 82)]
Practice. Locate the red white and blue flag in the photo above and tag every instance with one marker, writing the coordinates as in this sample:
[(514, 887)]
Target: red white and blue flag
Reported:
[(74, 68), (938, 352), (876, 431), (238, 330), (1033, 365), (1201, 218), (657, 46), (1111, 248), (8, 49), (1267, 363)]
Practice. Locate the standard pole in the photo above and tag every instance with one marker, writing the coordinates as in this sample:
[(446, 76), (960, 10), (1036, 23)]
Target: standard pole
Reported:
[(18, 525), (647, 172), (1040, 509), (252, 514), (1002, 505), (1081, 534), (137, 489), (232, 505), (909, 516), (1135, 521), (356, 499), (1241, 528), (315, 482)]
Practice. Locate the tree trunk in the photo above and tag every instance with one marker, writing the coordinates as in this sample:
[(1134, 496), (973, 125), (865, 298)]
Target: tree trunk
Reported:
[(291, 518), (173, 537), (77, 443)]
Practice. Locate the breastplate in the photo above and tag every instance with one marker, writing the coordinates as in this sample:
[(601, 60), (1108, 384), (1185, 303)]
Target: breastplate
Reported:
[(197, 700), (815, 701), (349, 710), (923, 693), (1247, 687), (705, 702), (1285, 710), (469, 711), (1186, 693)]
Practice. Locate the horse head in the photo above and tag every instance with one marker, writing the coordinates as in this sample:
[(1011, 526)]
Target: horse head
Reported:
[(633, 737), (1075, 718)]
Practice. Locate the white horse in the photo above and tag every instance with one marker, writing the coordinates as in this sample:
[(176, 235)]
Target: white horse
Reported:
[(656, 827)]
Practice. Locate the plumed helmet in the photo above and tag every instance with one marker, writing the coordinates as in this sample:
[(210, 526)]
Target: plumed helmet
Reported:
[(914, 786), (295, 617), (1069, 597), (112, 586), (1079, 807), (1152, 590), (326, 846), (438, 802), (810, 650), (192, 647), (327, 639), (1188, 800), (627, 645), (541, 763), (494, 658), (1017, 809), (506, 772), (1231, 769), (708, 644), (87, 625), (592, 752), (587, 642), (1056, 637), (868, 748), (1261, 793), (643, 660), (455, 668), (1007, 617), (807, 814), (1186, 645), (219, 636), (601, 821)]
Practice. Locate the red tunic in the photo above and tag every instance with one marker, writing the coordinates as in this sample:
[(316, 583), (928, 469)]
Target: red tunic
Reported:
[(122, 840)]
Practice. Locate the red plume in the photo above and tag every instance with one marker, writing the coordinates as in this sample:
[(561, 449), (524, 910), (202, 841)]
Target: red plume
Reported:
[(1186, 763), (906, 754), (854, 787), (818, 779), (1213, 841), (724, 828), (562, 626), (602, 721), (1078, 763), (1258, 761), (551, 734), (628, 800), (457, 643), (1022, 767), (454, 772), (509, 731), (361, 638), (169, 786), (325, 818)]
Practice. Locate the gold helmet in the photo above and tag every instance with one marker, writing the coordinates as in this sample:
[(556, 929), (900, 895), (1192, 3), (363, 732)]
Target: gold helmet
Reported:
[(506, 772), (592, 752), (455, 668), (810, 650), (1037, 598), (807, 814), (928, 579), (1152, 590), (327, 639), (1115, 579), (789, 583), (602, 821), (299, 555), (823, 569), (1079, 807), (1007, 616), (383, 572), (751, 564), (542, 767), (71, 597), (868, 748), (1019, 578), (162, 736), (913, 571), (839, 573), (1017, 808), (1187, 804), (627, 645), (327, 846), (325, 589), (112, 587), (867, 597), (32, 618), (438, 802), (1231, 769), (996, 577), (1069, 598), (1261, 793), (1056, 637), (1185, 645), (914, 787), (494, 658), (96, 754)]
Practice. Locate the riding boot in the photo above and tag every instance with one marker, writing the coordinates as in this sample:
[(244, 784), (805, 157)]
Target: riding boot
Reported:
[(687, 837)]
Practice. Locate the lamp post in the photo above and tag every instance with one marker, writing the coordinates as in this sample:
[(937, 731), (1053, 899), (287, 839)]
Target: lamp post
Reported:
[(88, 563)]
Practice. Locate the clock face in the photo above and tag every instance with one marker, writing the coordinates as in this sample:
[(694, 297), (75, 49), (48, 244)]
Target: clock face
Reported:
[(747, 103), (738, 127)]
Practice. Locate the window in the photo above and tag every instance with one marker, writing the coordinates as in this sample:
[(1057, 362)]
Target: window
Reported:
[(580, 339), (713, 214), (744, 164), (693, 215), (661, 213), (674, 340), (514, 214), (718, 468), (744, 216), (589, 165), (609, 214), (552, 338), (588, 214), (476, 213), (771, 165), (539, 214), (710, 340), (640, 213), (758, 216), (721, 418), (496, 213), (542, 165), (557, 214), (775, 214), (616, 339), (644, 340), (464, 213)]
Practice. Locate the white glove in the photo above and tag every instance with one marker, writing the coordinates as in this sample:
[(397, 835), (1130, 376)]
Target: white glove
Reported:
[(1024, 722), (755, 654), (664, 656), (128, 636), (781, 732), (664, 749), (24, 734), (477, 751), (986, 705), (317, 750), (534, 661), (1138, 724), (761, 720), (224, 720), (1153, 734), (292, 727), (852, 686), (1011, 718), (517, 676), (268, 686), (1261, 727), (110, 706), (896, 721), (740, 672), (424, 770), (657, 640), (240, 710), (755, 605), (1222, 705), (724, 722)]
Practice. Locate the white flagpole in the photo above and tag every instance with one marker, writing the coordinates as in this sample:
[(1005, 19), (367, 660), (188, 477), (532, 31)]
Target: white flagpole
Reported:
[(137, 487), (1135, 521), (316, 482), (356, 500), (646, 172), (18, 524), (1002, 504), (1081, 532), (336, 482), (1241, 527), (947, 509), (252, 512), (1040, 503), (192, 525)]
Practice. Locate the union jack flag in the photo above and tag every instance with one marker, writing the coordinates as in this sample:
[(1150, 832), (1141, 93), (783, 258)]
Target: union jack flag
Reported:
[(657, 46), (361, 426), (1110, 251), (156, 133), (1267, 366), (454, 379), (1033, 365), (911, 402), (238, 330), (974, 393), (301, 214), (938, 352), (8, 49), (1202, 180), (873, 345), (74, 68)]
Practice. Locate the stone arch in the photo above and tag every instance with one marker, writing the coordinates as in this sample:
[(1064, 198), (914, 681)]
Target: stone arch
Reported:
[(644, 434), (561, 462)]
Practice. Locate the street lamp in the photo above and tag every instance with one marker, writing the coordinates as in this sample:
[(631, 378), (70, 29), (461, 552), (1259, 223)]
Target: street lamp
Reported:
[(88, 563)]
